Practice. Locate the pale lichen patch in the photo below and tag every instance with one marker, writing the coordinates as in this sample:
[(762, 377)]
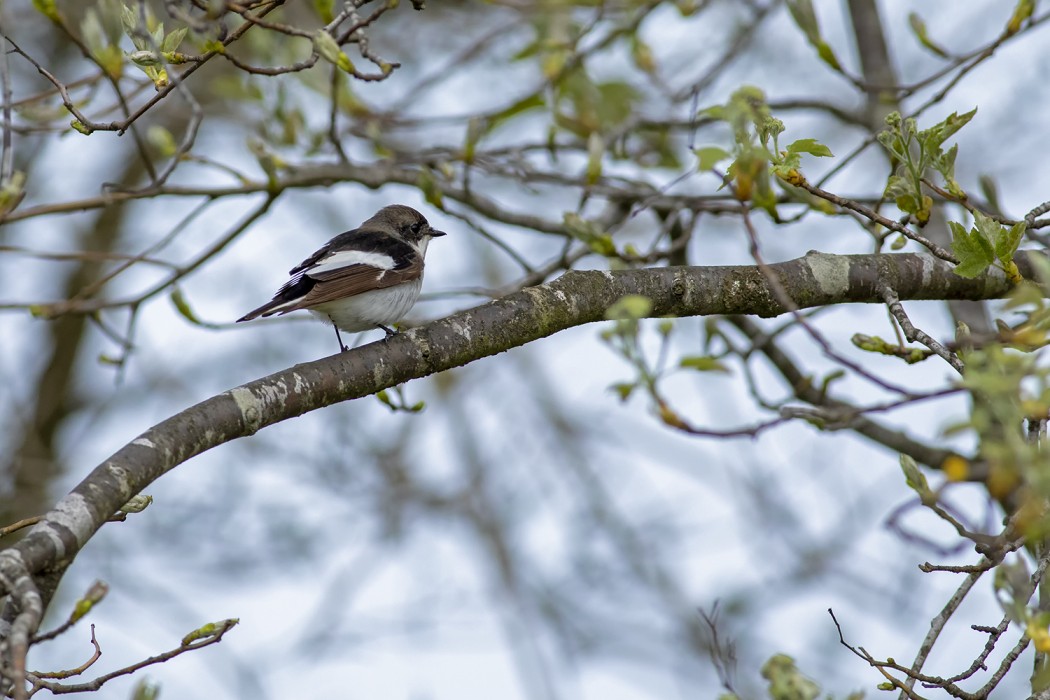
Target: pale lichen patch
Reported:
[(462, 330), (831, 272), (929, 263), (379, 373), (120, 474), (276, 393), (568, 301), (250, 407), (144, 442), (72, 513)]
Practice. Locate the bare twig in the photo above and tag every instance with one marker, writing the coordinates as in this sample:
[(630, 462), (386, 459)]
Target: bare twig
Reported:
[(914, 334), (73, 671), (38, 683)]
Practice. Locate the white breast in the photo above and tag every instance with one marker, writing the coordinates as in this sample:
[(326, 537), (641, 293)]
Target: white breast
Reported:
[(366, 311)]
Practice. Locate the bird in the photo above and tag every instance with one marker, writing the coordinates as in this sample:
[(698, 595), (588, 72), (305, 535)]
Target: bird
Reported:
[(364, 279)]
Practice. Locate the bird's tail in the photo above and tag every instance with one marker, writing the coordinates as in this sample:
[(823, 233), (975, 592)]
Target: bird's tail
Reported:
[(274, 306)]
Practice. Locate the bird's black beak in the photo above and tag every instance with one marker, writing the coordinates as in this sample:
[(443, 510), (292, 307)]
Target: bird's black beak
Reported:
[(434, 233)]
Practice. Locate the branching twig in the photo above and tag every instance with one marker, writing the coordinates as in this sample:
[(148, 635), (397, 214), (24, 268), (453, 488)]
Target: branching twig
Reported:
[(38, 683), (914, 334), (71, 672)]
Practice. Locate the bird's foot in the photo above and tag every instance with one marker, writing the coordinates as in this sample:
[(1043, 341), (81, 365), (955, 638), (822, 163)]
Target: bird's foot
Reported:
[(389, 332), (342, 346)]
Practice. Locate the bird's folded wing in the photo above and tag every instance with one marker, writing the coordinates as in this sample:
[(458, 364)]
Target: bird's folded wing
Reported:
[(348, 280)]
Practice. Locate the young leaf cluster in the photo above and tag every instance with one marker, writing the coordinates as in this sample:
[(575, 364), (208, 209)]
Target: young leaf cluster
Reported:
[(917, 152), (103, 29), (756, 150)]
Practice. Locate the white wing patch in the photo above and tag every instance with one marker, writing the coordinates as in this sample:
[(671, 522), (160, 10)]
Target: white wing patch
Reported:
[(345, 258), (290, 283)]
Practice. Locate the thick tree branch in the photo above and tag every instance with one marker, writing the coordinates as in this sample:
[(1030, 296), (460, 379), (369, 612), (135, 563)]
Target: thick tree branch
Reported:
[(576, 298)]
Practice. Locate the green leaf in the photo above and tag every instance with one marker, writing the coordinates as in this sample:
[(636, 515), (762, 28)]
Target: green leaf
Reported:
[(936, 135), (703, 363), (12, 190), (709, 156), (430, 188), (907, 203), (183, 307), (616, 103), (988, 228), (893, 142), (48, 9), (642, 55), (595, 152), (94, 595), (806, 18), (918, 27), (520, 107), (828, 55), (173, 39), (810, 146), (624, 389), (975, 253), (590, 233), (1022, 11), (384, 398), (209, 630), (325, 10), (1008, 240), (146, 689), (129, 19), (786, 682), (92, 32), (897, 186), (715, 113), (329, 50), (915, 479), (603, 245), (630, 307), (162, 140), (990, 192), (945, 163)]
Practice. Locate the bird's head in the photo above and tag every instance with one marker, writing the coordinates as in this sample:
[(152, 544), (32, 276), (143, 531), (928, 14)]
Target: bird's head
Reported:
[(406, 223)]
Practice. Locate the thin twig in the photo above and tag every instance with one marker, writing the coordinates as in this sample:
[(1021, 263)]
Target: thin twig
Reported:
[(916, 335), (878, 218), (94, 685), (787, 302), (938, 623), (73, 671)]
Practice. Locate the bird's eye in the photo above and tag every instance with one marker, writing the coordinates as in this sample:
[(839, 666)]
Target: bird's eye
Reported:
[(417, 227)]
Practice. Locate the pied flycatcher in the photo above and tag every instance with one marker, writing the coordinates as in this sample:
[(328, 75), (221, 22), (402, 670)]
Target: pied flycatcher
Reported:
[(360, 280)]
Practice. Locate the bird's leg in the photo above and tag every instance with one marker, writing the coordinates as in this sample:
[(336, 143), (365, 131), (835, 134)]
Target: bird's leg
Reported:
[(388, 331), (339, 338)]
